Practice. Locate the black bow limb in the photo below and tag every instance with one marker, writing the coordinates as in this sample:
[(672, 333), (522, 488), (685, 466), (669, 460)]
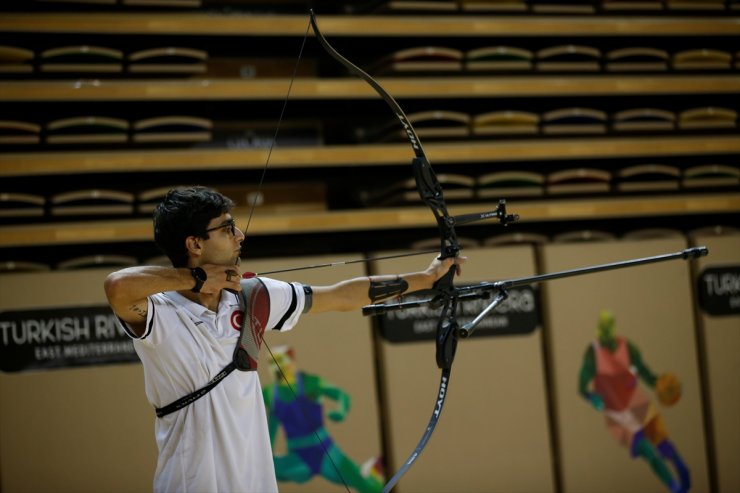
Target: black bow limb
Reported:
[(445, 295)]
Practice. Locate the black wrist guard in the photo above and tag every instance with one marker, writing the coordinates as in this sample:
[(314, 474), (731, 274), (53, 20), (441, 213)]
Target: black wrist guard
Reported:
[(385, 289)]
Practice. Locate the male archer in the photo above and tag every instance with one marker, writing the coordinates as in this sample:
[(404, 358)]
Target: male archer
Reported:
[(295, 403), (615, 366), (182, 320)]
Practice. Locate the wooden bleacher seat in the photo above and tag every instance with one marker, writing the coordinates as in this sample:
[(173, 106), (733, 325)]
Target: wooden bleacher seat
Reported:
[(87, 130), (456, 187), (585, 235), (643, 119), (712, 5), (648, 177), (97, 261), (567, 58), (512, 183), (14, 132), (562, 6), (631, 5), (708, 117), (702, 59), (17, 204), (578, 181), (574, 121), (174, 128), (498, 58), (93, 2), (82, 58), (652, 234), (404, 6), (637, 59), (193, 4), (493, 5), (439, 124), (433, 124), (169, 59), (505, 122), (715, 230), (15, 60), (421, 59), (92, 202), (147, 200), (14, 266), (711, 176), (516, 238)]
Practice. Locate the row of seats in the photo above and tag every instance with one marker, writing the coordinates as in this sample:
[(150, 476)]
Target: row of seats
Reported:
[(521, 183), (443, 124), (435, 124), (101, 59), (544, 6), (303, 197), (118, 260), (429, 6), (558, 58), (107, 130), (421, 59)]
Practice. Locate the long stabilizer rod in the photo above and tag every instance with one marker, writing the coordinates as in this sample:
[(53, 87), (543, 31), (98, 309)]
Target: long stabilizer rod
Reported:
[(502, 286)]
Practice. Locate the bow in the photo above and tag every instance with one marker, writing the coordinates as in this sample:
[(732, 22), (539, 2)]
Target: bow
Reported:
[(445, 295)]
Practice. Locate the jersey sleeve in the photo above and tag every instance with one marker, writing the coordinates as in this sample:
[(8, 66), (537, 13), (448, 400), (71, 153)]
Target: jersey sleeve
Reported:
[(155, 305), (287, 302)]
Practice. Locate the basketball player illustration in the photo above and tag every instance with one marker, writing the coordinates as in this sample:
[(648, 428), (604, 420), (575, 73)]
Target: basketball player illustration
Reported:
[(300, 413), (609, 379)]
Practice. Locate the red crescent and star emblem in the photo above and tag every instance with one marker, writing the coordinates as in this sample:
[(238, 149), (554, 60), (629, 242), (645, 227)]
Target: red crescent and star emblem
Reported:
[(237, 317)]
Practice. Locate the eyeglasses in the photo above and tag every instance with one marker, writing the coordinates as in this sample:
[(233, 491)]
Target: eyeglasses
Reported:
[(231, 224)]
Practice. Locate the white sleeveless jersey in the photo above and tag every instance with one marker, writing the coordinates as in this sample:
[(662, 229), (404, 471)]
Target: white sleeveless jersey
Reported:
[(219, 443)]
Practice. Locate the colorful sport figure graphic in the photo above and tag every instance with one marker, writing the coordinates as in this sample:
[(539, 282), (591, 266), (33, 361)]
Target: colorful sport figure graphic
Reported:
[(310, 449), (609, 378)]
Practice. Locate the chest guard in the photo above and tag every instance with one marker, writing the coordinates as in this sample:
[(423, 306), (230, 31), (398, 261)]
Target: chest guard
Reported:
[(255, 299)]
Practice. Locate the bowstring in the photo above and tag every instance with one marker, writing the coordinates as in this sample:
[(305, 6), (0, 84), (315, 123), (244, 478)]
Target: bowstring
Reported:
[(246, 229), (277, 131)]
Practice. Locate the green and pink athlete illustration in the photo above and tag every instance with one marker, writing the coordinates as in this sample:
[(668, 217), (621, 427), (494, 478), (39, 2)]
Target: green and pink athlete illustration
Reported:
[(300, 414), (609, 380)]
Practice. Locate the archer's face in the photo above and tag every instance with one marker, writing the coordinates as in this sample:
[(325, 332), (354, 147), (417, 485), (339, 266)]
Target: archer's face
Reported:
[(223, 245)]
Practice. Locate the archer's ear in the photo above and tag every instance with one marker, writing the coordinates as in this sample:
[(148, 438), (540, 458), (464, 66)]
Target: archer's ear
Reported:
[(194, 245)]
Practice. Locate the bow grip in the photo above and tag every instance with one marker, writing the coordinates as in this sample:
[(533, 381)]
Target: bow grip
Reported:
[(445, 281)]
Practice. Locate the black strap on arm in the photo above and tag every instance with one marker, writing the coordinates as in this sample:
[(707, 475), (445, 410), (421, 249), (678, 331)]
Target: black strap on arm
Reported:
[(256, 304)]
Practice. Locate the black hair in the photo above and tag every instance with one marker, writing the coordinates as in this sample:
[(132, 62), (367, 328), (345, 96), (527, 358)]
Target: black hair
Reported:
[(186, 212)]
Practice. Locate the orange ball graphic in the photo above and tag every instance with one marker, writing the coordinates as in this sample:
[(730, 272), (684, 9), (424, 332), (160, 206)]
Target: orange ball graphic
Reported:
[(668, 389)]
